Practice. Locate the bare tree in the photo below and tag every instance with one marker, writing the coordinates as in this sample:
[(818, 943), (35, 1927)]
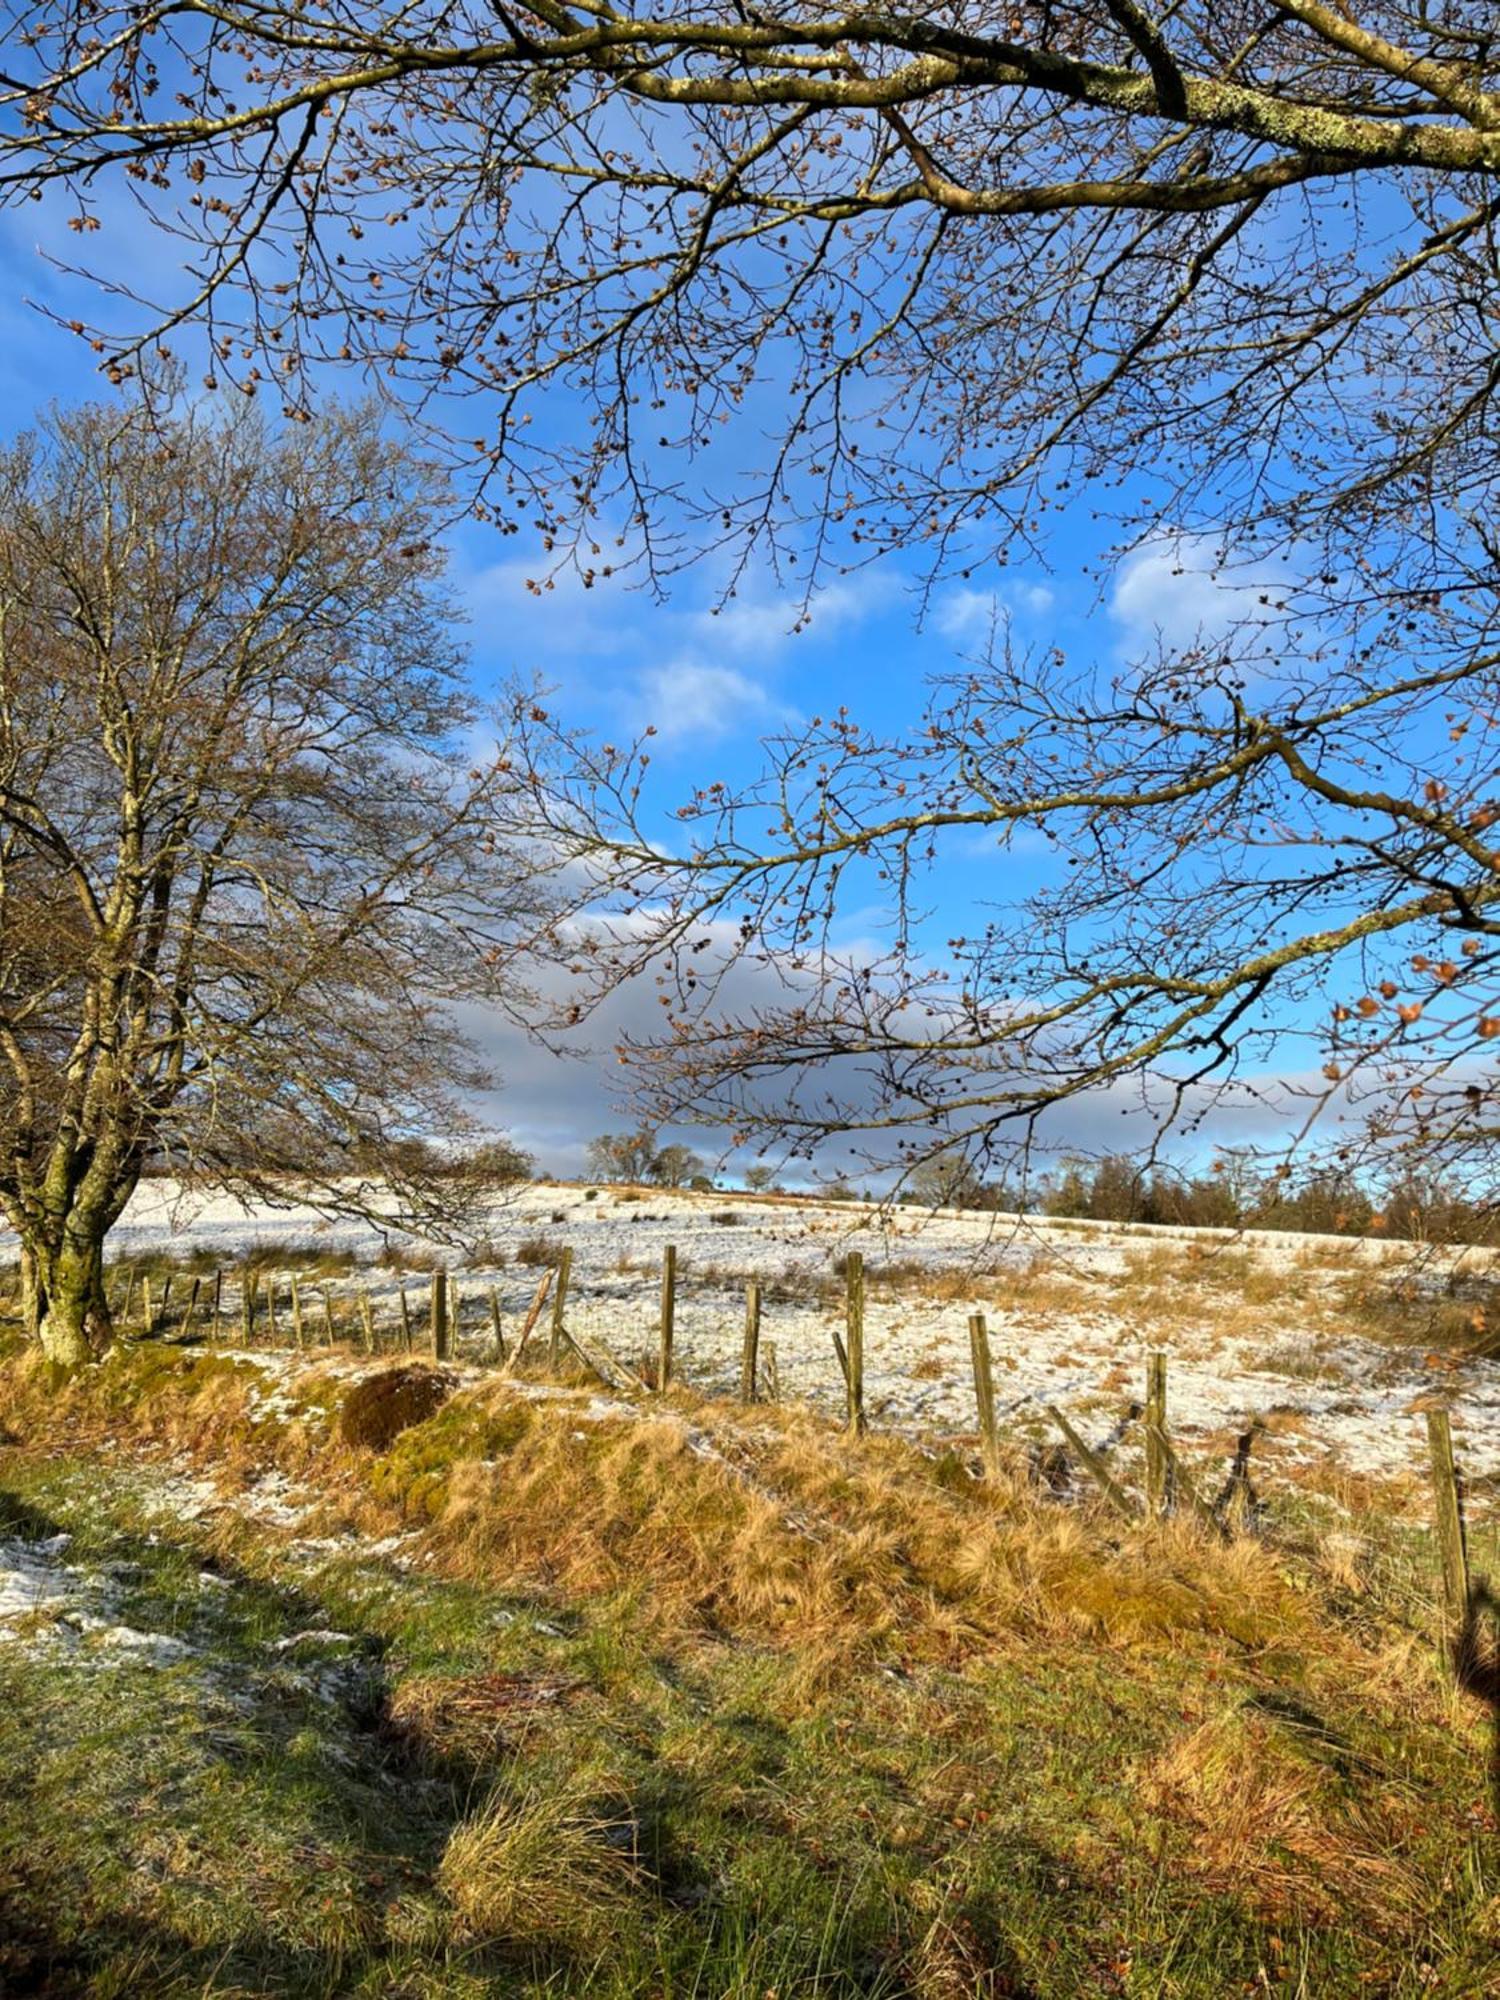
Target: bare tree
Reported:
[(980, 255), (1232, 879), (624, 1156), (676, 1165), (244, 863), (1232, 266)]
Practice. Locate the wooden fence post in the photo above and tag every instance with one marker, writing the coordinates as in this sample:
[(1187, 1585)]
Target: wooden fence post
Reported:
[(367, 1319), (247, 1305), (148, 1317), (299, 1330), (984, 1393), (773, 1372), (1094, 1466), (496, 1324), (438, 1315), (218, 1306), (559, 1307), (192, 1307), (1450, 1521), (272, 1329), (328, 1317), (455, 1310), (405, 1320), (750, 1355), (166, 1300), (534, 1313), (854, 1321), (1156, 1434), (668, 1315)]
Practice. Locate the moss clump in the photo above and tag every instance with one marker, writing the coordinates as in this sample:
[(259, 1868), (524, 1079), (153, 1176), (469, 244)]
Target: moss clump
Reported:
[(416, 1472), (377, 1410)]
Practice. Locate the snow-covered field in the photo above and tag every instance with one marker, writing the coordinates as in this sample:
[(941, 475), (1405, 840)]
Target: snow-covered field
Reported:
[(1063, 1301)]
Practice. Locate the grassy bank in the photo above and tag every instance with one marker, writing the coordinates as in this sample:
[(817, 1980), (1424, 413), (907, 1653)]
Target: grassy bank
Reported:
[(547, 1697)]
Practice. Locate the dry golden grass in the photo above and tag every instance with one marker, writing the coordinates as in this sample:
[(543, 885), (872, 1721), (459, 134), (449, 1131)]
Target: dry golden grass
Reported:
[(541, 1868), (1264, 1797)]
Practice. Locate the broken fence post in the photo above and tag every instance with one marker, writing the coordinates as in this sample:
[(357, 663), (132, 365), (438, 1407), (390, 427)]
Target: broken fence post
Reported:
[(534, 1313), (773, 1373)]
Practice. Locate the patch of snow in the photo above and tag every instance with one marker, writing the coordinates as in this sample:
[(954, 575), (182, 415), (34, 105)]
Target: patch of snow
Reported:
[(1349, 1404)]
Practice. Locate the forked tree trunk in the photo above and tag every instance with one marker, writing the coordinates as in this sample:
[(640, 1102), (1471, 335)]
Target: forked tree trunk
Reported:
[(64, 1299)]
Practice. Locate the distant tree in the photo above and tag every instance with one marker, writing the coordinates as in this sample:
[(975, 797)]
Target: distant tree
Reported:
[(496, 1162), (624, 1156), (245, 866), (948, 1179), (675, 1165), (759, 1178)]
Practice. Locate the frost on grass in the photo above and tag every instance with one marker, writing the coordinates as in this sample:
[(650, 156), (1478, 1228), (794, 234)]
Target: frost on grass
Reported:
[(1258, 1328), (50, 1605)]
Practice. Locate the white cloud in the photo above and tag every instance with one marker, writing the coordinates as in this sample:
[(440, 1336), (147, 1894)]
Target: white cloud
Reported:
[(965, 613), (691, 700), (1178, 589)]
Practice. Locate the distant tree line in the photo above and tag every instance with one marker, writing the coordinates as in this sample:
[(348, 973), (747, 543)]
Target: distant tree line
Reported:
[(1236, 1194)]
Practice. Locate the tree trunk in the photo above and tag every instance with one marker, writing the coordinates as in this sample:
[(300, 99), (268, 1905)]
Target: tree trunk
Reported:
[(68, 1300)]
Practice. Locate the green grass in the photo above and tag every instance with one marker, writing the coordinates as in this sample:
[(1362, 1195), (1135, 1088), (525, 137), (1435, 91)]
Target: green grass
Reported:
[(492, 1786)]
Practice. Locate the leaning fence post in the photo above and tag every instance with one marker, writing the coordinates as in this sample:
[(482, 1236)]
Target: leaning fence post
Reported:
[(559, 1306), (1450, 1519), (405, 1320), (192, 1308), (1094, 1466), (668, 1315), (218, 1305), (854, 1319), (750, 1356), (984, 1393), (1156, 1432), (438, 1316)]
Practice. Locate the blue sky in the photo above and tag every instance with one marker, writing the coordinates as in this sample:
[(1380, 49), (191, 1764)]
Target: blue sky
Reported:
[(712, 676)]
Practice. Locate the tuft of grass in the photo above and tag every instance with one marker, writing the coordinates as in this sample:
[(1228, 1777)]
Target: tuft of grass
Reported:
[(538, 1250), (541, 1868)]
